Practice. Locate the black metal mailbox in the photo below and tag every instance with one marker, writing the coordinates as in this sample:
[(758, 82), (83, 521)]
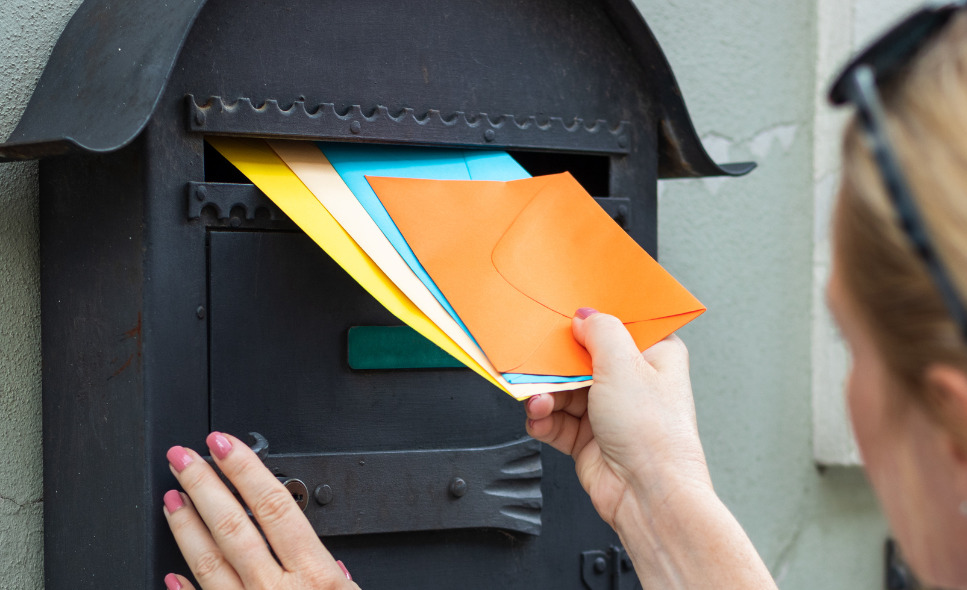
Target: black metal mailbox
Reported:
[(177, 299)]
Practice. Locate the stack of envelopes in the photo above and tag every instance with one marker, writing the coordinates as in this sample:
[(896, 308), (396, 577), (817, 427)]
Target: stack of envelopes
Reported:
[(465, 247)]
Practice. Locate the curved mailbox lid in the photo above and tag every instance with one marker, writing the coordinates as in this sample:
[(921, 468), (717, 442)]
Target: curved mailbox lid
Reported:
[(104, 78), (110, 66)]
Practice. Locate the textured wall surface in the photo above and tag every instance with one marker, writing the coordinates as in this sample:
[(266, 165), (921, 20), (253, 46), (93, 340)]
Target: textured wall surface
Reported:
[(748, 71), (28, 30), (744, 246)]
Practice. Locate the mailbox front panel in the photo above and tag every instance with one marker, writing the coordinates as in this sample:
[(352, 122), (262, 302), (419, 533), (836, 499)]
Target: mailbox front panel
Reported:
[(240, 323)]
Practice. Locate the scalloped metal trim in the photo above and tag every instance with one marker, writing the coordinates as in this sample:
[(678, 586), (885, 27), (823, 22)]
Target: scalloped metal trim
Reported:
[(324, 121), (224, 199)]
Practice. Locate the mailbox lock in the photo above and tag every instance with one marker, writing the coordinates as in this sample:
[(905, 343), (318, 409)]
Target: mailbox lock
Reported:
[(299, 491)]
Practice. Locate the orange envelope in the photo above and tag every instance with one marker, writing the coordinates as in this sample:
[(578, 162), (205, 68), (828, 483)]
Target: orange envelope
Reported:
[(516, 259)]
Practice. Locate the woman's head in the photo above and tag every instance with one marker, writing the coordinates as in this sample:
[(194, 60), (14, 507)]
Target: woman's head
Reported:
[(910, 360)]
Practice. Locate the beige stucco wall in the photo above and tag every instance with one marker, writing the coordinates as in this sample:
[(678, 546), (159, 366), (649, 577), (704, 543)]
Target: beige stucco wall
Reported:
[(748, 69)]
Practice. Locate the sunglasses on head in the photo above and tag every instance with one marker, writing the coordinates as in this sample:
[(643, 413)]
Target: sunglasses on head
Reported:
[(858, 85)]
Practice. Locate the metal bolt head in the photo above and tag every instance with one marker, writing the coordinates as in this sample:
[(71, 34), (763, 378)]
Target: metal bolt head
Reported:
[(323, 494), (622, 141), (458, 487), (600, 565), (200, 118), (200, 312), (490, 135), (201, 193), (355, 127)]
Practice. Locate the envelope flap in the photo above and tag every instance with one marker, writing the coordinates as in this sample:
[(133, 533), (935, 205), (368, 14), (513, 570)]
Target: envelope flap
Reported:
[(565, 252)]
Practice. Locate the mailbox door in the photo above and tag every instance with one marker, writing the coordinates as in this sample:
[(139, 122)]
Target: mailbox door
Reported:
[(244, 322)]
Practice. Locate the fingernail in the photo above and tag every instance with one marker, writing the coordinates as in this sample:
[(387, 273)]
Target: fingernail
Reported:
[(173, 501), (342, 566), (179, 458), (585, 312), (172, 582), (219, 445), (531, 399)]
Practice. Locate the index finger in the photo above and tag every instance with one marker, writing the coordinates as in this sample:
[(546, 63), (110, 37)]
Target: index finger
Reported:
[(286, 528)]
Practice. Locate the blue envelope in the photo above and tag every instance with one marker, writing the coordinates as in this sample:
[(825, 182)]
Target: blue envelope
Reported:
[(353, 162)]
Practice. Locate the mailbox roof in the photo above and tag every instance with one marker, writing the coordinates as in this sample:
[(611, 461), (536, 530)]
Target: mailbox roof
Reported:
[(110, 67)]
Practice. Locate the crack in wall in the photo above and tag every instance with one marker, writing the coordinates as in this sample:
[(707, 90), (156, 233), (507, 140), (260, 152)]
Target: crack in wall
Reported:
[(21, 505), (782, 563)]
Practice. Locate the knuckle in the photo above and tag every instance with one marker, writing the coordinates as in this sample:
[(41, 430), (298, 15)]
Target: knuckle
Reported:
[(603, 320), (193, 479), (320, 577), (230, 524), (678, 342), (235, 467), (179, 522), (273, 506), (678, 346), (207, 565)]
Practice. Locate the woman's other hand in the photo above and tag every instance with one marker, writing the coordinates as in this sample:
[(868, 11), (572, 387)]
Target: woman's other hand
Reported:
[(634, 432), (222, 546)]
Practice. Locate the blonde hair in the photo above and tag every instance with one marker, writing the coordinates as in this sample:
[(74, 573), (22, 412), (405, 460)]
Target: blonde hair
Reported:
[(889, 283)]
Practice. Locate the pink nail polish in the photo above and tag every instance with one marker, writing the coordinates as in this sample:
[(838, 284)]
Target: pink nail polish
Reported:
[(179, 458), (173, 501), (172, 582), (342, 566), (585, 312), (219, 444)]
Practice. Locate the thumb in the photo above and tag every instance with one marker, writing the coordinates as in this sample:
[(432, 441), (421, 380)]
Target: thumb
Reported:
[(607, 340)]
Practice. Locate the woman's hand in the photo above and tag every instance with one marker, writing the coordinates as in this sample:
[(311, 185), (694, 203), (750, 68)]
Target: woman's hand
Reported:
[(636, 449), (634, 431), (222, 546)]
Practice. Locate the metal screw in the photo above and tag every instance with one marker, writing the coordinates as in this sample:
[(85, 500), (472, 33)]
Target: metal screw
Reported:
[(200, 312), (625, 563), (458, 487), (355, 127), (235, 221), (323, 494), (622, 141), (600, 565), (201, 193), (200, 118), (490, 135)]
